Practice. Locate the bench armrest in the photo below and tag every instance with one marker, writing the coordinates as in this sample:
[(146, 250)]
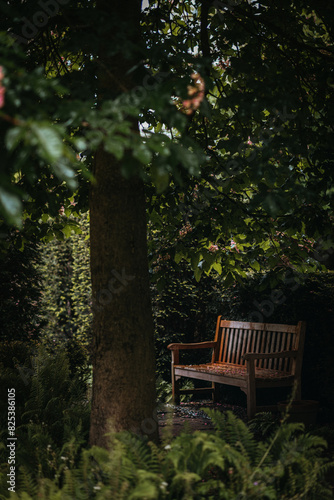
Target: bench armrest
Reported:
[(258, 355), (197, 345)]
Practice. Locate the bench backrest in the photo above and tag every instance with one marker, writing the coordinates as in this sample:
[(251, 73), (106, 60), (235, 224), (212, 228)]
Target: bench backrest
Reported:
[(236, 338)]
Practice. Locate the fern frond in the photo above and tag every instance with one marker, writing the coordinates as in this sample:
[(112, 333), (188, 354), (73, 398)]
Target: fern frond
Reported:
[(147, 486), (26, 482), (112, 471), (158, 456), (137, 450), (235, 432)]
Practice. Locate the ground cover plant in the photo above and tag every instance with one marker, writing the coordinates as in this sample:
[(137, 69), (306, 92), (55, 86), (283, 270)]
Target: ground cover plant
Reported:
[(225, 464), (268, 460)]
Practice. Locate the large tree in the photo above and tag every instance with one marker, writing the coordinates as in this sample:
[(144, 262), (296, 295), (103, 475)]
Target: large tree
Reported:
[(124, 361), (241, 89)]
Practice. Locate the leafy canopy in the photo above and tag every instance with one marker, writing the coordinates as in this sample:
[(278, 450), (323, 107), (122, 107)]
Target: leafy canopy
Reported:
[(234, 101)]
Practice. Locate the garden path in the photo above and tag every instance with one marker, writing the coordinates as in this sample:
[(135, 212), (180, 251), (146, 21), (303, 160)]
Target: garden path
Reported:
[(191, 416)]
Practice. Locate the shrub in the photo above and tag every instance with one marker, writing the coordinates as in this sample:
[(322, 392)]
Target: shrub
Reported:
[(20, 293), (15, 372), (52, 411), (56, 268), (184, 311), (66, 292)]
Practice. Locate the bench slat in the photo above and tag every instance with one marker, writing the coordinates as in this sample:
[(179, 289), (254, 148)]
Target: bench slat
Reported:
[(270, 327), (264, 335), (225, 340), (241, 337)]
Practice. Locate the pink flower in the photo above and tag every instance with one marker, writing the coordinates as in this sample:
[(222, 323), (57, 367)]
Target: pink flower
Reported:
[(234, 245), (196, 94), (224, 63)]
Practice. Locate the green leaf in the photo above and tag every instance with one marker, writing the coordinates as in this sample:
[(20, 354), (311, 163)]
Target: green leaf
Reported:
[(12, 207), (160, 177), (13, 137), (196, 257), (189, 160), (256, 266), (142, 153), (49, 141), (229, 279), (67, 230), (64, 172), (217, 267), (159, 143), (178, 257), (265, 245), (198, 273), (114, 147), (80, 143), (209, 257)]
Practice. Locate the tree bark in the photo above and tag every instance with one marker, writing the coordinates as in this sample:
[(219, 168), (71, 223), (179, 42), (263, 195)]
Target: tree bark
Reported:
[(124, 358)]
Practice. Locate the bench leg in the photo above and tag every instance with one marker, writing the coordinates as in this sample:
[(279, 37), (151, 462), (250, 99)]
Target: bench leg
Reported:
[(298, 394), (214, 393), (176, 390), (251, 389), (251, 403), (175, 381)]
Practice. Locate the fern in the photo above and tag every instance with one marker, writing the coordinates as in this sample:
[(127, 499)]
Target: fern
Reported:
[(139, 452), (225, 464), (263, 425), (200, 465), (235, 432), (113, 471), (27, 483), (147, 486)]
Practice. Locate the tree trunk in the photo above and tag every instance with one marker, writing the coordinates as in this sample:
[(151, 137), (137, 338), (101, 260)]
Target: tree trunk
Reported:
[(124, 359)]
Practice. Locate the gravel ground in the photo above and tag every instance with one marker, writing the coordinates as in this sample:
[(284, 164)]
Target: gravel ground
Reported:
[(191, 416)]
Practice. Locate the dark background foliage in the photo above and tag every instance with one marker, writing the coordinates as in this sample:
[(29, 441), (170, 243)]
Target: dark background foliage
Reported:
[(20, 291), (307, 297)]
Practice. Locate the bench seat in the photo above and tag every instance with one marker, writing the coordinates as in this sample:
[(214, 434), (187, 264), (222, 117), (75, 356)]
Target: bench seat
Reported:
[(230, 371)]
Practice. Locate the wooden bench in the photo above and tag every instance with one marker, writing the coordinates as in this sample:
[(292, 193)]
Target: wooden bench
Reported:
[(246, 355)]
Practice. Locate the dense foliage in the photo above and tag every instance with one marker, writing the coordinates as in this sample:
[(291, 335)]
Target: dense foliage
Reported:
[(66, 289), (265, 125), (186, 311), (264, 157)]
